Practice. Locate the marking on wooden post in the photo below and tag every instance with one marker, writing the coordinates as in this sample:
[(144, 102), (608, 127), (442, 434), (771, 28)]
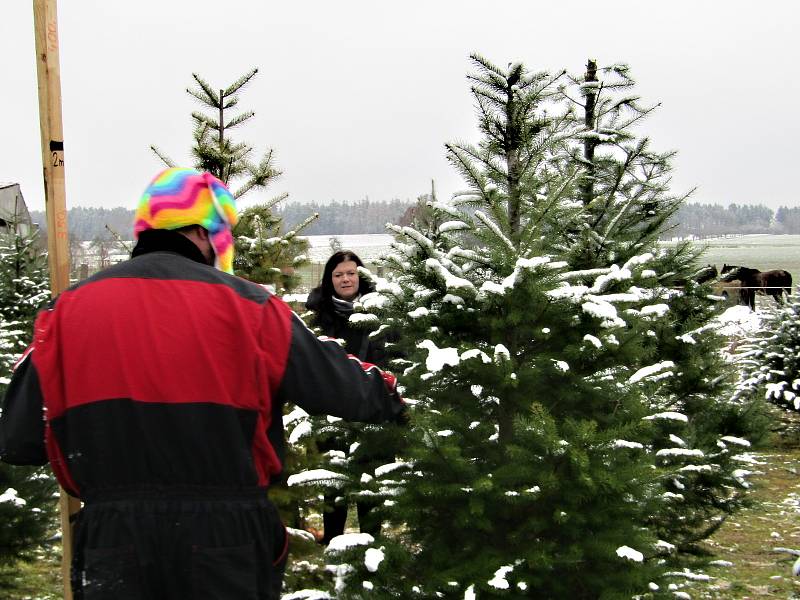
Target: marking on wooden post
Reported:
[(45, 25)]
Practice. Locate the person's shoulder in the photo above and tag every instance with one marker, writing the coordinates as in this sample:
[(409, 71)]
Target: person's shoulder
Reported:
[(166, 266), (244, 287)]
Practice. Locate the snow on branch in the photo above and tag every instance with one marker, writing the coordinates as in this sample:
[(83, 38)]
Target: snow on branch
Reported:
[(348, 540), (651, 370), (476, 353), (614, 274), (630, 554), (681, 452), (669, 416), (627, 444), (449, 226), (584, 274), (575, 293), (439, 357), (373, 557), (522, 264), (322, 477), (10, 495), (307, 594), (446, 208), (390, 467), (451, 282), (605, 311), (415, 235), (638, 260), (369, 318), (483, 218), (595, 135)]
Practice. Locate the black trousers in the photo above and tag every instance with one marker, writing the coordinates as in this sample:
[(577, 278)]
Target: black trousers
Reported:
[(335, 517), (178, 549)]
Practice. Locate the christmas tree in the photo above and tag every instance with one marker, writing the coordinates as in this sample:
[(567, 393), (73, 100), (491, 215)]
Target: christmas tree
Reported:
[(27, 494), (554, 410), (263, 252), (625, 196), (771, 359)]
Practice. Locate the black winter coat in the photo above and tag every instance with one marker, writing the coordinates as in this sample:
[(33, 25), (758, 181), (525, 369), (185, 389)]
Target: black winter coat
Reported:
[(335, 325)]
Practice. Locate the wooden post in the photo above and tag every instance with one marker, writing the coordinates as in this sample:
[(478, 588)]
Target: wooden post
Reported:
[(45, 24)]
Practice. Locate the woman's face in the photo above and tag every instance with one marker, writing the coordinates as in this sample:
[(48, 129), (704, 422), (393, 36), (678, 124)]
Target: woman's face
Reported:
[(345, 280)]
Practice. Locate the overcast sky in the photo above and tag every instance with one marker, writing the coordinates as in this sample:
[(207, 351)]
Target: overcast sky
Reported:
[(357, 98)]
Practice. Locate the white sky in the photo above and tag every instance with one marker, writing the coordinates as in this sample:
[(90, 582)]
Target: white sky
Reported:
[(358, 97)]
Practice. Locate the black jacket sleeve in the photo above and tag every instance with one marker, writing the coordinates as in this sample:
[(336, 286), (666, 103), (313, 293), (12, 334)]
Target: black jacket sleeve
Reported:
[(321, 378), (22, 419)]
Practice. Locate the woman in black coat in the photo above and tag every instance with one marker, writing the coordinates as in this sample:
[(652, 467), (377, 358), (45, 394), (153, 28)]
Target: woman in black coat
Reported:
[(332, 304)]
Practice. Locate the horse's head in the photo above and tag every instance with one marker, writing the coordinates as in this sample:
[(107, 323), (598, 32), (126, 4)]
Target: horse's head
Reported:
[(730, 272), (707, 273)]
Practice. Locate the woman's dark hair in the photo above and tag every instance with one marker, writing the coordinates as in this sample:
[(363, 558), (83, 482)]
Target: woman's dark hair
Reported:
[(326, 285)]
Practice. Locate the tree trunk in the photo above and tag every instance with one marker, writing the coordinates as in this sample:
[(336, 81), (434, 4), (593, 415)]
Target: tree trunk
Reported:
[(589, 144), (512, 144)]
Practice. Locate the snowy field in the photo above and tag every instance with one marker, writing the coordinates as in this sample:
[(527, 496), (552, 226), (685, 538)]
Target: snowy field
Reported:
[(759, 251), (763, 252), (368, 246)]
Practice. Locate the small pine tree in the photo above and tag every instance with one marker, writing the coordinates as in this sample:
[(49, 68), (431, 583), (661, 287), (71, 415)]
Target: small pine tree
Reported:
[(772, 361), (262, 252), (27, 505), (266, 255)]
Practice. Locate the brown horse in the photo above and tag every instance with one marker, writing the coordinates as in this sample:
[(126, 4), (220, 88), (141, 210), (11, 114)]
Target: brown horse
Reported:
[(772, 283), (705, 274)]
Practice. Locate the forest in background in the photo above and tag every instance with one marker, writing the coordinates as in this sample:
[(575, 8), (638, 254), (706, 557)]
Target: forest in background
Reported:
[(369, 216)]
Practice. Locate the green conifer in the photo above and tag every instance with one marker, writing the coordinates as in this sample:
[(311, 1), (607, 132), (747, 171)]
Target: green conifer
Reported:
[(28, 506), (553, 408)]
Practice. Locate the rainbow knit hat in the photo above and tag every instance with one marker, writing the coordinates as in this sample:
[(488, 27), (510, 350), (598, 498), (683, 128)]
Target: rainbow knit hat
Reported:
[(179, 197)]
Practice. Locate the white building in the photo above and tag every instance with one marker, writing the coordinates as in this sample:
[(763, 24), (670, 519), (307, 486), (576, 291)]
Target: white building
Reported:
[(14, 215)]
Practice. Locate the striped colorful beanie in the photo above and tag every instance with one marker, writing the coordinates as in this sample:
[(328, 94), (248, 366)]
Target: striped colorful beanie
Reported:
[(179, 197)]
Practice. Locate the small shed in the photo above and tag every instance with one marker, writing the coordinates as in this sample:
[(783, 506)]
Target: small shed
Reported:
[(14, 215)]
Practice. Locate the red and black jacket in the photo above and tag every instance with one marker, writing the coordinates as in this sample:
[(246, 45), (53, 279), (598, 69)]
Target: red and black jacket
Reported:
[(164, 373)]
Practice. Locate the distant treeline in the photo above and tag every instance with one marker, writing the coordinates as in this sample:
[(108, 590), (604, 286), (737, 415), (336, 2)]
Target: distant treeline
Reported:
[(709, 220), (369, 216), (338, 218), (364, 216), (86, 223)]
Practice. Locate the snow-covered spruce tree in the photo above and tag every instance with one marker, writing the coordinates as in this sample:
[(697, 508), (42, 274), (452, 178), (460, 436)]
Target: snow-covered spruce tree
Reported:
[(27, 503), (526, 474), (626, 202), (771, 359), (264, 253), (541, 355)]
